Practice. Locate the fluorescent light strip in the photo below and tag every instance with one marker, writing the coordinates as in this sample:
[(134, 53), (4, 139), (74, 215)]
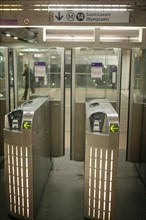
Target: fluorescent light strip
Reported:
[(69, 5), (69, 28), (8, 9), (37, 5), (69, 39), (77, 27), (120, 38), (61, 7), (105, 39), (86, 9)]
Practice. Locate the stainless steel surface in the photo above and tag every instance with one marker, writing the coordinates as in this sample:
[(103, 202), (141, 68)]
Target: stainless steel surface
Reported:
[(135, 110), (142, 165), (101, 157), (137, 101), (16, 76), (4, 81), (2, 114), (135, 132), (78, 138), (119, 76), (139, 134), (77, 117), (27, 155), (143, 148), (72, 107), (57, 130)]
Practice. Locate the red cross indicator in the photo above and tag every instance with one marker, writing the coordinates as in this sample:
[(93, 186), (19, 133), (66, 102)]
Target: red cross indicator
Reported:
[(26, 21)]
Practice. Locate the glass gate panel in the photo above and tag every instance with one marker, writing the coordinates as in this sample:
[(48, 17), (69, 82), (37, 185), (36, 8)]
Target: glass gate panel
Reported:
[(96, 77), (103, 78), (40, 73), (45, 68), (3, 73), (4, 94), (79, 71), (96, 73), (24, 63), (136, 151)]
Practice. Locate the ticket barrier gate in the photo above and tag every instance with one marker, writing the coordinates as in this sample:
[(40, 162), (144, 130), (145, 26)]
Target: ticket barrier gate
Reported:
[(101, 156), (27, 156)]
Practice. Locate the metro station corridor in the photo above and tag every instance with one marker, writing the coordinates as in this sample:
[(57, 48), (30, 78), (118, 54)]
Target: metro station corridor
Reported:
[(63, 196), (73, 110)]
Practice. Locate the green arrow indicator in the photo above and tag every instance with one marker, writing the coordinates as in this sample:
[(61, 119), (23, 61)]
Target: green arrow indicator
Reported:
[(114, 127), (27, 124)]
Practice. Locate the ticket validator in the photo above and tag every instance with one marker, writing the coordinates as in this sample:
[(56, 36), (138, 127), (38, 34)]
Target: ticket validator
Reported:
[(27, 156), (101, 157)]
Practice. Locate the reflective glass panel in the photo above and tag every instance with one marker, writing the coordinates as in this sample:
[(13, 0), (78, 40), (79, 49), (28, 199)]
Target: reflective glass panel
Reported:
[(2, 72), (39, 72), (96, 73), (139, 75)]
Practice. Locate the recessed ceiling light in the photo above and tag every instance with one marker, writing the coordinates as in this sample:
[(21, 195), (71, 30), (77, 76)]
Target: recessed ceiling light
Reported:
[(8, 35)]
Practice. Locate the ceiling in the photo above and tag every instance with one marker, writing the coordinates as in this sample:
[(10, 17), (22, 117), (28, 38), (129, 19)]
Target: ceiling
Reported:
[(11, 35), (72, 33), (92, 34)]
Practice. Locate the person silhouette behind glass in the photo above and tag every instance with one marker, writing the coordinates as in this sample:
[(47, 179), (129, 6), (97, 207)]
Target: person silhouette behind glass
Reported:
[(29, 80)]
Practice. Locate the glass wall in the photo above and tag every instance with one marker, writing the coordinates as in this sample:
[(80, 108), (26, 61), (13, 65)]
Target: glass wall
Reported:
[(3, 55), (96, 73), (4, 95), (136, 151), (139, 75), (39, 72)]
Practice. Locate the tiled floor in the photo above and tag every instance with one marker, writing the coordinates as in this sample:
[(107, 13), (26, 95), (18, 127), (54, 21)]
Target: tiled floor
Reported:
[(63, 195)]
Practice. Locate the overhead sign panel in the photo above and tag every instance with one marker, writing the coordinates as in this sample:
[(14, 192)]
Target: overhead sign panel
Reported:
[(91, 17)]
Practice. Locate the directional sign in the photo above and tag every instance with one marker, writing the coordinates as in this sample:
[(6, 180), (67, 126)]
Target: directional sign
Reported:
[(114, 127), (27, 124), (91, 17)]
